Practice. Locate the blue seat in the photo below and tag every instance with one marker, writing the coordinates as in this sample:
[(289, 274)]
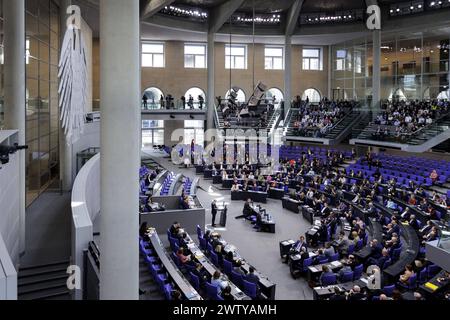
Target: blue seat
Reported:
[(357, 272), (351, 248), (306, 263), (322, 260), (328, 279), (214, 258), (202, 243), (396, 254), (386, 264), (359, 245), (250, 289), (211, 290), (209, 247), (176, 260), (199, 232), (237, 279), (347, 277), (334, 257), (422, 278), (219, 297), (389, 290), (376, 298), (168, 291), (227, 267), (412, 283), (195, 281), (433, 270)]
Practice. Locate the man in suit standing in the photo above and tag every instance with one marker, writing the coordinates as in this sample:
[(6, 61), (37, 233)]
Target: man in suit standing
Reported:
[(213, 212)]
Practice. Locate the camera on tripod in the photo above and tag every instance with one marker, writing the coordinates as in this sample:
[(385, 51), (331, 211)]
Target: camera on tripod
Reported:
[(5, 151)]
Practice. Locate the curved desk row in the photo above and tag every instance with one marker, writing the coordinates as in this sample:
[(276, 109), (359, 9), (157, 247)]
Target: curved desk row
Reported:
[(174, 272)]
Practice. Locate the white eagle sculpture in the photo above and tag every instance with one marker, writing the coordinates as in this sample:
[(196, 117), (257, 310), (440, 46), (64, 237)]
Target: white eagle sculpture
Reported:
[(73, 81)]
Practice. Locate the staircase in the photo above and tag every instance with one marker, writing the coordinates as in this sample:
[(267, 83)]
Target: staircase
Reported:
[(44, 282), (147, 284), (431, 132), (343, 127)]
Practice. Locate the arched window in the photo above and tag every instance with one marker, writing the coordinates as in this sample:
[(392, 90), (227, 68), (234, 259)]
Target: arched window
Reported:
[(313, 95), (195, 93), (444, 95), (275, 92), (397, 94), (153, 96), (240, 95)]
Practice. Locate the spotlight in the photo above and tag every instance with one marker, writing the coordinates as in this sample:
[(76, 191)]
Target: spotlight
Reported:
[(411, 8), (392, 10), (419, 6), (432, 4), (398, 10)]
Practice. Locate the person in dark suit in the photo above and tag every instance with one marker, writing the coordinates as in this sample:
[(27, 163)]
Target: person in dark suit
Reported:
[(381, 260), (413, 222), (337, 296), (251, 277), (355, 294), (226, 293), (174, 229), (213, 212), (201, 273), (375, 249), (297, 248), (247, 211), (325, 210), (325, 272)]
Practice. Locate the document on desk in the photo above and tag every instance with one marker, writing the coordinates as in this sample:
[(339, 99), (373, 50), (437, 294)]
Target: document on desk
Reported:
[(336, 264), (364, 280), (313, 269)]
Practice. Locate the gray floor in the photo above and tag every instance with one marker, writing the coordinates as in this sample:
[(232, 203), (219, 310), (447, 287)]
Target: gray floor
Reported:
[(47, 230), (258, 248)]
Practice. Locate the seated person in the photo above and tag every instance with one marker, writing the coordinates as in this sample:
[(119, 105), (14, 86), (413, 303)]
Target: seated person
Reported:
[(329, 250), (217, 281), (175, 229), (201, 273), (375, 249), (251, 276), (404, 278), (176, 295), (226, 293), (342, 243), (355, 294), (184, 203), (337, 296), (238, 268), (143, 232), (413, 222), (297, 247), (325, 272), (380, 261), (184, 259), (320, 256), (247, 211)]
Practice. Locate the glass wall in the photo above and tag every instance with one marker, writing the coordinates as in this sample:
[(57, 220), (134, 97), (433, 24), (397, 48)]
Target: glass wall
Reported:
[(414, 65), (42, 114), (152, 133)]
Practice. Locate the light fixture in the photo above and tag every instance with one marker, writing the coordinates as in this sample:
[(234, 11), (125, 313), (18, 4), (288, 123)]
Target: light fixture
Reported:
[(419, 6), (398, 9), (432, 4), (392, 10), (412, 7)]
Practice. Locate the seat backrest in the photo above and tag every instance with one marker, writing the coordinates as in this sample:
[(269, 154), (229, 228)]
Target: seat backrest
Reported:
[(250, 289), (347, 276), (195, 280), (334, 257), (328, 279), (227, 267), (357, 273), (389, 290), (237, 278), (211, 290), (214, 258), (306, 263)]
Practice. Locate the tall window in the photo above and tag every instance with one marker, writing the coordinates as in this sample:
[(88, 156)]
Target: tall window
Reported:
[(312, 94), (235, 56), (152, 133), (340, 60), (193, 130), (153, 55), (312, 59), (273, 58), (195, 56)]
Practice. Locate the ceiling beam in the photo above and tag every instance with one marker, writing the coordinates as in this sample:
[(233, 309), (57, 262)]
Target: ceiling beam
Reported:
[(220, 14), (292, 17), (154, 6)]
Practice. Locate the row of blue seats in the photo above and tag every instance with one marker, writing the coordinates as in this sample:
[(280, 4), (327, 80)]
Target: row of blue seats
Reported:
[(166, 184), (157, 271)]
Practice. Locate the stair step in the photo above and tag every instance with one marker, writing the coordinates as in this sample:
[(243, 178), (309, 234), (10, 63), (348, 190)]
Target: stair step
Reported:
[(57, 293), (42, 286), (27, 281), (43, 269)]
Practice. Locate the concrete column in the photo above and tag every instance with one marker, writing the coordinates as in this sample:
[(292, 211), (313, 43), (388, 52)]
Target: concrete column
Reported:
[(376, 84), (330, 70), (287, 73), (210, 94), (65, 150), (14, 90), (120, 149), (169, 127)]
